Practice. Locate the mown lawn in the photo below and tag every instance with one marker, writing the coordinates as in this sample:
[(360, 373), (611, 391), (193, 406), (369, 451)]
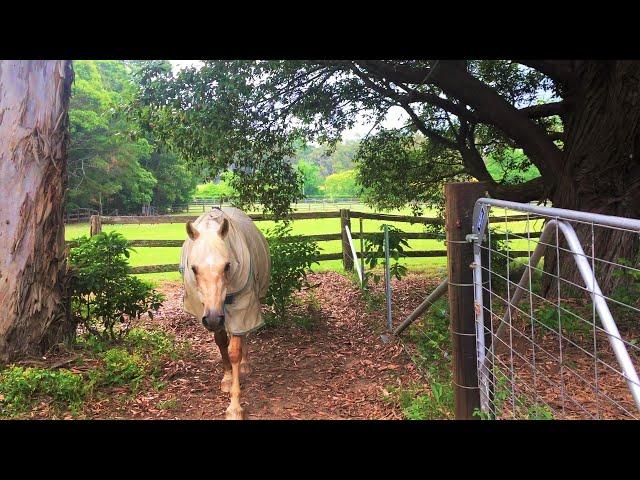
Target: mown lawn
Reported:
[(176, 231)]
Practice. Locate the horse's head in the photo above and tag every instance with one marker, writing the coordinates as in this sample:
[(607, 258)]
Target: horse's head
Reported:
[(209, 261)]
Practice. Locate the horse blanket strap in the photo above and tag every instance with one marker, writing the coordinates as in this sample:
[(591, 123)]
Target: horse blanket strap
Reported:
[(231, 296)]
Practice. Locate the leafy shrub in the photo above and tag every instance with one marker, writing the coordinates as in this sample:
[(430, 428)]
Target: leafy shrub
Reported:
[(374, 246), (438, 403), (435, 336), (627, 291), (291, 261), (120, 368), (565, 319), (170, 404), (105, 298), (21, 388), (217, 190)]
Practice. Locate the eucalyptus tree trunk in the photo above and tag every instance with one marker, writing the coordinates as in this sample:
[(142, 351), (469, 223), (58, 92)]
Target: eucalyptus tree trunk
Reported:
[(34, 305)]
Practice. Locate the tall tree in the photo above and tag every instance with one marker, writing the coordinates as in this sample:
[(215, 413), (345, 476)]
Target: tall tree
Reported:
[(575, 121), (104, 162), (33, 142)]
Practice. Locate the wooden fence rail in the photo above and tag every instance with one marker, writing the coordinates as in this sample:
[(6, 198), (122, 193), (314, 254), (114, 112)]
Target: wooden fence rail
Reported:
[(345, 215)]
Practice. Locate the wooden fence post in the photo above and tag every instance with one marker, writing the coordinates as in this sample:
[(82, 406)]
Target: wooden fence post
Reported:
[(95, 226), (460, 200), (345, 220)]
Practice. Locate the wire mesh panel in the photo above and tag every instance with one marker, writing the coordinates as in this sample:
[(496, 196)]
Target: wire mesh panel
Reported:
[(558, 329)]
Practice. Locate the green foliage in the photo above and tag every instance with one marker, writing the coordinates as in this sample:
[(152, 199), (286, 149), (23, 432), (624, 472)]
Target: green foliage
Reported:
[(104, 297), (511, 166), (103, 161), (170, 404), (120, 368), (291, 260), (398, 168), (434, 337), (256, 115), (155, 344), (432, 340), (539, 412), (329, 158), (374, 246), (217, 190), (140, 356), (311, 178), (436, 405), (502, 398), (175, 184), (566, 319), (627, 291), (21, 388), (343, 184), (107, 167)]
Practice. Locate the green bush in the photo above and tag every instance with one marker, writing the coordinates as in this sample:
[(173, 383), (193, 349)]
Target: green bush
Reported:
[(156, 344), (105, 298), (216, 190), (21, 388), (374, 246), (291, 261), (120, 368), (437, 405), (627, 290), (343, 184)]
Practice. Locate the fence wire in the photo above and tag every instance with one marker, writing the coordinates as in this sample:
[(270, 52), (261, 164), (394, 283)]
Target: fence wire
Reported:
[(545, 352)]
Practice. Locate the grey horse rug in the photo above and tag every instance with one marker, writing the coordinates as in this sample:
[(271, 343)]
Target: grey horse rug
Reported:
[(249, 274)]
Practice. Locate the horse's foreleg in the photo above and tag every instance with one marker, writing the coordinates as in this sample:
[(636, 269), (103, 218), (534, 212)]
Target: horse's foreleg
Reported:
[(234, 411), (222, 340), (245, 367)]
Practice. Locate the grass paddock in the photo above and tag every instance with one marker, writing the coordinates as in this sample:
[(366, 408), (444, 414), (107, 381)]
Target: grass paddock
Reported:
[(176, 231)]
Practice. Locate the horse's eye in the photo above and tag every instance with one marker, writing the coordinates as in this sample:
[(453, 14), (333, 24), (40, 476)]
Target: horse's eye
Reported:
[(195, 269), (227, 267)]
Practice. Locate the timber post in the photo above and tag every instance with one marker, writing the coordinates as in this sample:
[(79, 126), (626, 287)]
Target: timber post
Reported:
[(345, 220), (95, 225), (460, 200)]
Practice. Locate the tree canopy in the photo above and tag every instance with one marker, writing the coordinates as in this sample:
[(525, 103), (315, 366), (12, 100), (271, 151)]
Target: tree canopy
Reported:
[(107, 166)]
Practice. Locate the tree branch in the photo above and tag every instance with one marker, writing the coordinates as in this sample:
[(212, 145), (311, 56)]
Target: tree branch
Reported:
[(489, 106), (556, 135), (559, 70), (544, 110), (420, 125), (523, 192)]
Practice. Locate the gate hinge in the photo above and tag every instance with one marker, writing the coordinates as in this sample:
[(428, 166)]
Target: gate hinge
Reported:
[(472, 237)]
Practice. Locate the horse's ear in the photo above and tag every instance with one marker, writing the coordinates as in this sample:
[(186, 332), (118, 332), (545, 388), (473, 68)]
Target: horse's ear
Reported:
[(192, 231), (224, 228)]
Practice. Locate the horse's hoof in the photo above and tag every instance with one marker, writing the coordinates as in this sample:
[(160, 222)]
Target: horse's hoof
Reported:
[(235, 413), (245, 369)]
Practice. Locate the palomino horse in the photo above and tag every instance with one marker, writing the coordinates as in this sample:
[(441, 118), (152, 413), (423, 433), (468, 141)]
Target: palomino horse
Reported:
[(225, 266)]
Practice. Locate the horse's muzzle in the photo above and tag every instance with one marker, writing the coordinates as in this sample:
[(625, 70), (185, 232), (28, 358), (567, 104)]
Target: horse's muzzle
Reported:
[(213, 324)]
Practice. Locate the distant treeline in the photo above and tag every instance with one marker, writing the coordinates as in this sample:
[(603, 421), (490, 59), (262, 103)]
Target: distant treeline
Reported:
[(110, 165)]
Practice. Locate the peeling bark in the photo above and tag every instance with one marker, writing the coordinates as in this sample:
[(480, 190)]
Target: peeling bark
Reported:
[(34, 98)]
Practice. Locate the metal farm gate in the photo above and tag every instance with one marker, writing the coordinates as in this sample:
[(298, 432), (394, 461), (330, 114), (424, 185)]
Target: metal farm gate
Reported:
[(559, 340)]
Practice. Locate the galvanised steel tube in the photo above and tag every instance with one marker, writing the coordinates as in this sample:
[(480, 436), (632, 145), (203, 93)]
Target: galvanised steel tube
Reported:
[(607, 220), (483, 382), (602, 308), (387, 277), (584, 268)]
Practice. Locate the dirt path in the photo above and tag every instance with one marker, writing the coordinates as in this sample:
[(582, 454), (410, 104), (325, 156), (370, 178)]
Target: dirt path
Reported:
[(337, 368)]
